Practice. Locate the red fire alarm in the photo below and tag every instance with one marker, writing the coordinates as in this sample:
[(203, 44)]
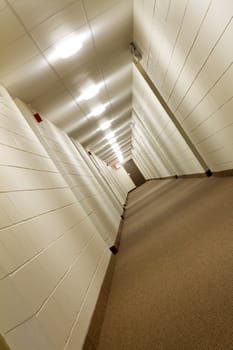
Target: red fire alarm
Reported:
[(38, 117)]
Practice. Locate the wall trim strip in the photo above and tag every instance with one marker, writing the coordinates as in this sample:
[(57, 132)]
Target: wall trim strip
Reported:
[(222, 173)]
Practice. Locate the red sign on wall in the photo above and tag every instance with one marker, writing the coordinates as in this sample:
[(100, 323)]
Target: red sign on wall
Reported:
[(38, 117)]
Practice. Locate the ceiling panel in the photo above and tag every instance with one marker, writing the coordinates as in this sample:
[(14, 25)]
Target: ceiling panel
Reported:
[(57, 106), (10, 28), (59, 25), (16, 54), (32, 70), (78, 128), (39, 78), (113, 32), (34, 12), (96, 8), (76, 63), (118, 78)]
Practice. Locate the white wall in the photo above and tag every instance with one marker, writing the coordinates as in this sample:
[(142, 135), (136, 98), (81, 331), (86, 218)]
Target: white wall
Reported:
[(140, 163), (124, 179), (86, 184), (111, 177), (187, 52), (52, 257), (159, 140)]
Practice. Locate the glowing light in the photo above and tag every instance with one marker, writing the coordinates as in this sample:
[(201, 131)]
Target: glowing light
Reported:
[(119, 156), (98, 110), (105, 125), (120, 159), (68, 47), (115, 147), (111, 141), (118, 153), (90, 92), (110, 135)]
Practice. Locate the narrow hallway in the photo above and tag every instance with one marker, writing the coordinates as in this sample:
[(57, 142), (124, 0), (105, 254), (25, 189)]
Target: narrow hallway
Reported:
[(172, 287)]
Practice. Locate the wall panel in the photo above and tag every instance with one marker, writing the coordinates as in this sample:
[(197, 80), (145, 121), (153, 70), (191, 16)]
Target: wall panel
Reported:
[(191, 64), (53, 257)]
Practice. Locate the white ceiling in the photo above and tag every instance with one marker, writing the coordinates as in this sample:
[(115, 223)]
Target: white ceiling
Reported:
[(31, 70), (186, 51)]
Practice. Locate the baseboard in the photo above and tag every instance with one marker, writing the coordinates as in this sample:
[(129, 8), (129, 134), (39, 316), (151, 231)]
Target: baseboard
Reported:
[(93, 334), (132, 190), (223, 173), (118, 237), (192, 176), (162, 178), (209, 173), (185, 176)]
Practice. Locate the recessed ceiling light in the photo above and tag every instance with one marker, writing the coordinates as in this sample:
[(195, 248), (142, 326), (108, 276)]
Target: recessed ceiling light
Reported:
[(69, 46), (90, 92), (98, 110), (115, 147), (110, 135), (111, 141), (120, 158), (105, 125), (118, 153)]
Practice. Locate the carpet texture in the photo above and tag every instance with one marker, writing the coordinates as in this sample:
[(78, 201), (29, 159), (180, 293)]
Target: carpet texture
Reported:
[(172, 287)]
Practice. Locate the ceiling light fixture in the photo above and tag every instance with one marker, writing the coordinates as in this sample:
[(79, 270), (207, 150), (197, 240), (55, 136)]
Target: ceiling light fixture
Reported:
[(115, 147), (68, 47), (111, 141), (90, 92), (120, 158), (118, 153), (98, 110), (110, 135), (105, 125)]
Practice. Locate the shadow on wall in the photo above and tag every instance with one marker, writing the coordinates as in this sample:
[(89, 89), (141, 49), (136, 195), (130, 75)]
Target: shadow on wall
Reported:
[(3, 344)]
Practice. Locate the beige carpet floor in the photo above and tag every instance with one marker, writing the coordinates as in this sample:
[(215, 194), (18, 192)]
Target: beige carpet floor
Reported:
[(172, 287)]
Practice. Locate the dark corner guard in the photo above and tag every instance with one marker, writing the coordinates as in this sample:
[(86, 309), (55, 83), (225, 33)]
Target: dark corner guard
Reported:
[(113, 249), (208, 173)]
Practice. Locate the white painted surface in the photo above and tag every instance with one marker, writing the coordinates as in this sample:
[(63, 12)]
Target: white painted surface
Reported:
[(187, 52), (53, 256), (124, 179)]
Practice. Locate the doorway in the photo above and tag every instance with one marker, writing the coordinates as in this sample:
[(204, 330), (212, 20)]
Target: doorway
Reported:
[(134, 173)]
